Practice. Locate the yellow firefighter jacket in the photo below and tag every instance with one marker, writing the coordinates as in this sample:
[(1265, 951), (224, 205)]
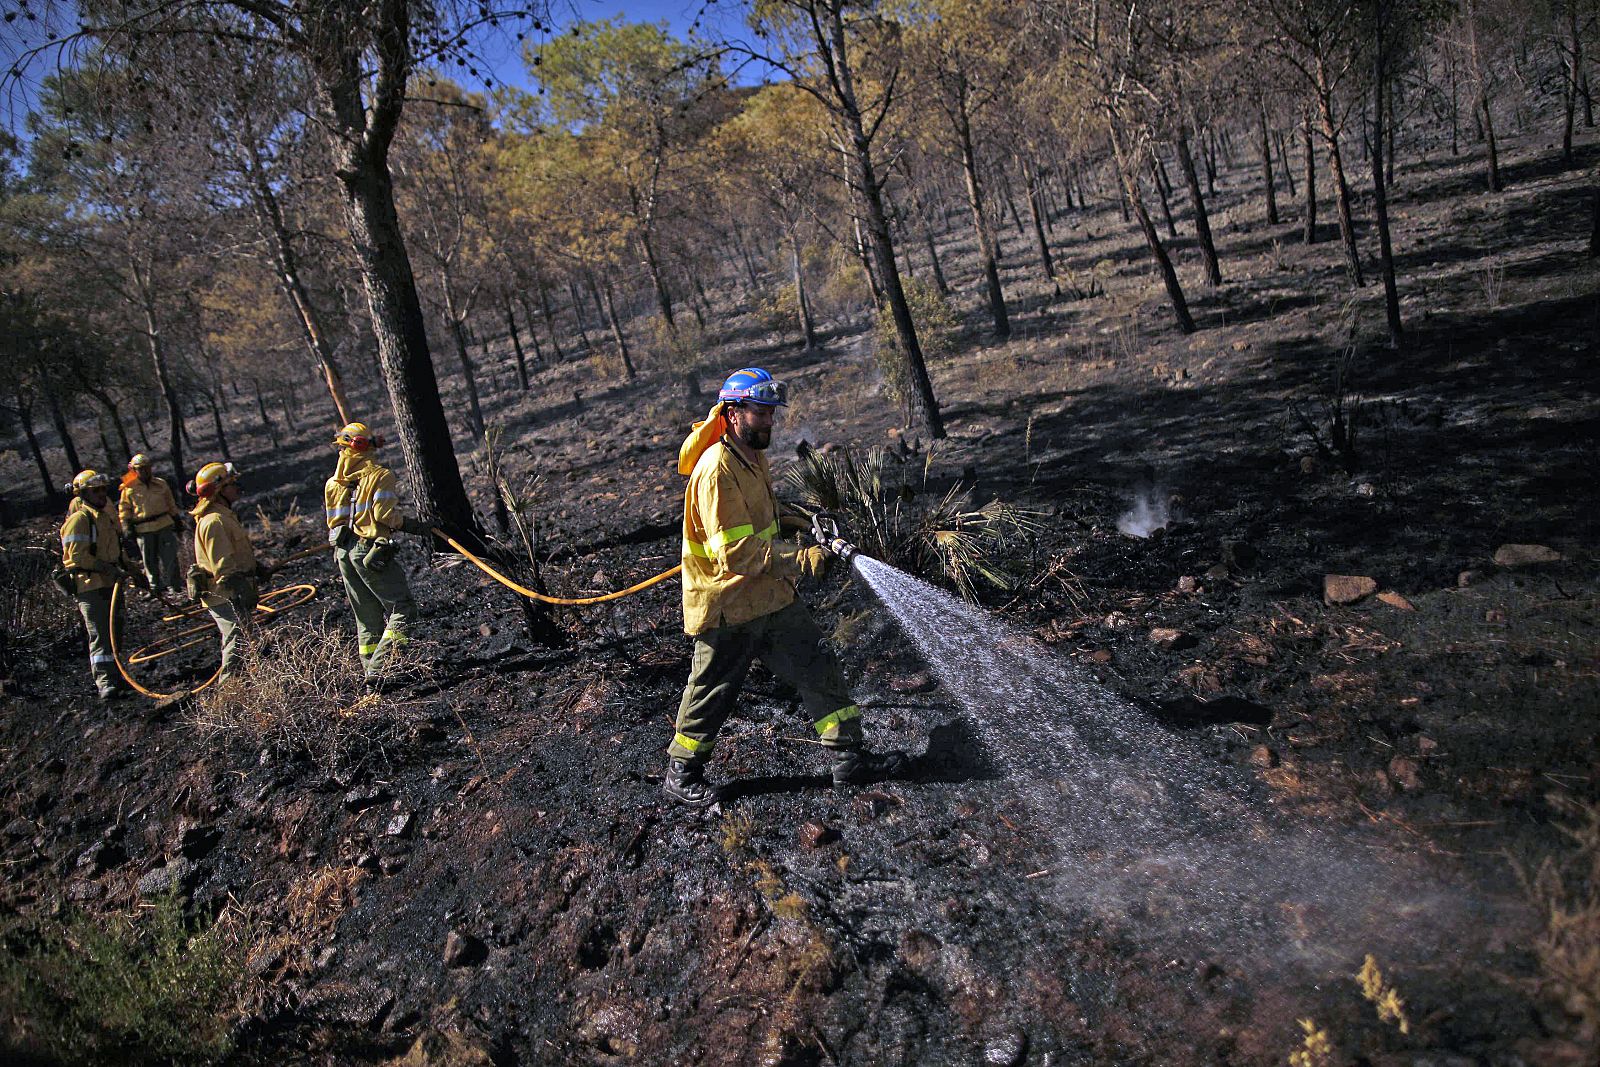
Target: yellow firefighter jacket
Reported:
[(91, 546), (733, 568), (221, 547), (374, 505), (148, 508)]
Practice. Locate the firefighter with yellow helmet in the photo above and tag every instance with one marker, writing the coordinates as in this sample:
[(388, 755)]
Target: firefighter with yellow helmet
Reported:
[(363, 514), (225, 572), (92, 556), (149, 513)]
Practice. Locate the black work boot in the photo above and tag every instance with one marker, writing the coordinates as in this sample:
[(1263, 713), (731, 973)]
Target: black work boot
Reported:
[(856, 766), (686, 783)]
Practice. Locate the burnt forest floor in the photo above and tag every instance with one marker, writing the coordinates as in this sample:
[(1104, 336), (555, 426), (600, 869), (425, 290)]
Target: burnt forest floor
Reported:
[(508, 800)]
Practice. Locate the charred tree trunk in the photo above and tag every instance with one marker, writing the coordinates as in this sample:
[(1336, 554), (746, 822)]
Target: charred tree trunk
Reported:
[(1037, 212), (1381, 11), (1283, 163), (1594, 223), (808, 331), (115, 416), (1341, 188), (1311, 182), (549, 322), (988, 247), (1202, 221), (52, 491), (516, 346), (744, 254), (270, 216), (58, 419), (1481, 108), (924, 217), (169, 392), (216, 424), (616, 332), (1574, 74), (458, 334), (266, 420), (1128, 171), (577, 314), (1266, 167), (360, 127), (1158, 177)]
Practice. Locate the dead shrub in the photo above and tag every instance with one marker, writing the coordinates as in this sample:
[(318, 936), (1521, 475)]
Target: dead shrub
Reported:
[(33, 613), (300, 690), (312, 908), (1565, 891)]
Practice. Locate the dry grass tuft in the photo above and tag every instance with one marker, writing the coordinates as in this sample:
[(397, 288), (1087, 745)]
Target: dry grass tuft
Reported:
[(300, 689), (1565, 890)]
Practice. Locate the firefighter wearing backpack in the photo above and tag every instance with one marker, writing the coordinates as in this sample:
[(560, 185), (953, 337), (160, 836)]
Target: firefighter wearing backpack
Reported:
[(92, 557), (363, 515)]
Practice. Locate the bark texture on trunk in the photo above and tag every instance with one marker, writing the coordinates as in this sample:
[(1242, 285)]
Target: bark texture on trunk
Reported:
[(1202, 221), (1380, 204), (1341, 187), (988, 247), (1128, 171), (1311, 181), (1266, 169)]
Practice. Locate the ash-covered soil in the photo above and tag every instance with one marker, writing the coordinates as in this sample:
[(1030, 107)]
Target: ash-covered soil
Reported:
[(492, 860)]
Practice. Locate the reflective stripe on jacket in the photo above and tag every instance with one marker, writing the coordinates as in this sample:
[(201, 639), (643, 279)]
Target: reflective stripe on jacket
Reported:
[(91, 546), (733, 570), (221, 547), (148, 508)]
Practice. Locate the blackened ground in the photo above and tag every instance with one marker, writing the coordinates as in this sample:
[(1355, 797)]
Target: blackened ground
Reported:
[(514, 800)]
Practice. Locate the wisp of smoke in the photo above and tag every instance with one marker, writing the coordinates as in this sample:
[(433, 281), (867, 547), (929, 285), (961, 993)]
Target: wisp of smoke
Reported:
[(1148, 514)]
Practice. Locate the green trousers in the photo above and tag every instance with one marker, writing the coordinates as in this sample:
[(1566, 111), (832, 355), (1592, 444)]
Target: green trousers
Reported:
[(160, 557), (232, 608), (792, 647), (95, 607), (381, 601)]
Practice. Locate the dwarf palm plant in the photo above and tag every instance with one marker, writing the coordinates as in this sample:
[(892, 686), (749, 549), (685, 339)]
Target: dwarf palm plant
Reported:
[(951, 538)]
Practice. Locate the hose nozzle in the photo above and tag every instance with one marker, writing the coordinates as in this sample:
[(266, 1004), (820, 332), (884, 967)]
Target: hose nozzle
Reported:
[(825, 528)]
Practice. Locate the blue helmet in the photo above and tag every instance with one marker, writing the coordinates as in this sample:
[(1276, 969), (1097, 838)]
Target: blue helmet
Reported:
[(756, 386)]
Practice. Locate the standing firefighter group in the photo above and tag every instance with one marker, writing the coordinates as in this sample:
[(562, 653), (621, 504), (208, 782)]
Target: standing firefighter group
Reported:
[(740, 576)]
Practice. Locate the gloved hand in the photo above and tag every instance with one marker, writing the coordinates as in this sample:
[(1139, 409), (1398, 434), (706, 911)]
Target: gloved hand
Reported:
[(411, 525), (264, 570), (196, 582), (814, 560), (140, 580), (130, 546)]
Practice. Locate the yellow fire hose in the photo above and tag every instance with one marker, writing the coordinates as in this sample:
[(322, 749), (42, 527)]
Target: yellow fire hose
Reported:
[(542, 598), (166, 646), (304, 592)]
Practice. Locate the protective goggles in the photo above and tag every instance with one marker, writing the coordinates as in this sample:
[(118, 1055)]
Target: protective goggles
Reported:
[(773, 392)]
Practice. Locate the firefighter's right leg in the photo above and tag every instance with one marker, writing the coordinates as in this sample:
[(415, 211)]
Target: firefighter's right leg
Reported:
[(150, 556), (233, 615), (364, 605), (717, 671), (95, 607), (167, 557)]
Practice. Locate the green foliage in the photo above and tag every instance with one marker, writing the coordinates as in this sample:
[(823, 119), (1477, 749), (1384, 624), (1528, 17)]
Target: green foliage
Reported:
[(950, 538), (936, 324), (682, 347), (777, 308), (151, 988)]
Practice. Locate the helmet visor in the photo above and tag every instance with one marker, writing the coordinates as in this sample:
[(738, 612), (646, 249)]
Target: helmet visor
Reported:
[(771, 392)]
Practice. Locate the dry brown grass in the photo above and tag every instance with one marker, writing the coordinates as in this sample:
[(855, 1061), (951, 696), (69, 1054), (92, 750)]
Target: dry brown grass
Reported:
[(1565, 891), (312, 908), (299, 690)]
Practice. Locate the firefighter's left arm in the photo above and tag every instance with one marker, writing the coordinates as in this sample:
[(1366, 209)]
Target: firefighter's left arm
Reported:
[(385, 505)]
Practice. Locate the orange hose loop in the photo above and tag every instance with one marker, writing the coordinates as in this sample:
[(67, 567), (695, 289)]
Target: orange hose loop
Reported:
[(303, 593)]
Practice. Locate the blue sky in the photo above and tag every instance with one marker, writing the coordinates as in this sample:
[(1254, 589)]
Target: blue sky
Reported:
[(503, 58)]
